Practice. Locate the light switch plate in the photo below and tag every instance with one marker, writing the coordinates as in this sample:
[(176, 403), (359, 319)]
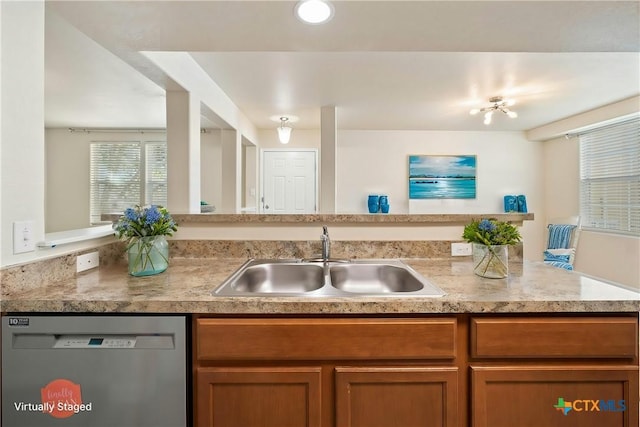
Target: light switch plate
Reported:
[(87, 261), (460, 249), (23, 240)]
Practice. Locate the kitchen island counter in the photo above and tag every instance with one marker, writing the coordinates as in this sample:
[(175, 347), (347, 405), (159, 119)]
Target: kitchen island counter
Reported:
[(186, 287)]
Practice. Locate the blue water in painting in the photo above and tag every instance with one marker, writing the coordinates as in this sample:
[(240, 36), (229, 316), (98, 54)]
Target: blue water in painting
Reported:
[(442, 188)]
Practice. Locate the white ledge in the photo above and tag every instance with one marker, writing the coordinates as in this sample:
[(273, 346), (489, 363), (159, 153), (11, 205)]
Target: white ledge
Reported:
[(63, 237)]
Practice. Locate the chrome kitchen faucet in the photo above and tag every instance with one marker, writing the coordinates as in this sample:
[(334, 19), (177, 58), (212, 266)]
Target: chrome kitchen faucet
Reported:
[(326, 244)]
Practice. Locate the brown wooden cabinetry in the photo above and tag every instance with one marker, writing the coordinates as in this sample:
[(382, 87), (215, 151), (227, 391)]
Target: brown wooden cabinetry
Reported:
[(431, 371), (584, 337), (396, 396), (554, 371), (326, 372), (259, 396), (554, 396)]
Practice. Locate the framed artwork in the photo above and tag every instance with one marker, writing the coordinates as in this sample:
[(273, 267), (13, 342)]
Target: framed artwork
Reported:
[(442, 177)]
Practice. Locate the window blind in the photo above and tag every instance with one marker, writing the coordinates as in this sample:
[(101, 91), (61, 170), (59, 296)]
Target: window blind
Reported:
[(155, 173), (125, 174), (610, 178)]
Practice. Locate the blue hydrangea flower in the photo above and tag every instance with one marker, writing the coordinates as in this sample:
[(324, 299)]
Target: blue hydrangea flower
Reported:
[(144, 221), (153, 215), (131, 214), (486, 225)]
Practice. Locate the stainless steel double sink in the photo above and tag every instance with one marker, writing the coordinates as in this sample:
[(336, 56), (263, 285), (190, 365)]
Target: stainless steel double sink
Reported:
[(332, 278)]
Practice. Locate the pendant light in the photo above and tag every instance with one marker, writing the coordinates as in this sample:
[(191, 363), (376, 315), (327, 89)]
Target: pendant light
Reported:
[(284, 131)]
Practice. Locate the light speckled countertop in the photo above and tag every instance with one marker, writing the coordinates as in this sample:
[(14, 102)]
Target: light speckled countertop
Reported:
[(187, 285)]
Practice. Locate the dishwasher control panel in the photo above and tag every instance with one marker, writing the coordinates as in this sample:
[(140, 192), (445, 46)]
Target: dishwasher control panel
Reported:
[(98, 341)]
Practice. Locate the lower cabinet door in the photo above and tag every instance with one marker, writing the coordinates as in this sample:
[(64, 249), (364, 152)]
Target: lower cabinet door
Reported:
[(258, 397), (559, 396), (396, 396)]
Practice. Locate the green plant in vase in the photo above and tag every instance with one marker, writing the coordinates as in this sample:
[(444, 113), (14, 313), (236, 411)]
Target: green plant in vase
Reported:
[(490, 239), (144, 229)]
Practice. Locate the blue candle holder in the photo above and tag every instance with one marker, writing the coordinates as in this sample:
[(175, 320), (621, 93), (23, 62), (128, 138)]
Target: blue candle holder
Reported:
[(374, 203), (384, 204)]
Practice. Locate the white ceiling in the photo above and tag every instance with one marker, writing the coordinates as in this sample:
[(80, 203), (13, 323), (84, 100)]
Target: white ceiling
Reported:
[(383, 64)]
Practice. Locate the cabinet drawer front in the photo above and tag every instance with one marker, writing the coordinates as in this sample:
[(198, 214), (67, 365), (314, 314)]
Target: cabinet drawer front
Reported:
[(541, 337), (325, 339)]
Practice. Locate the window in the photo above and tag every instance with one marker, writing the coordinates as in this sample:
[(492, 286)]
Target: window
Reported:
[(610, 178), (124, 174), (155, 190)]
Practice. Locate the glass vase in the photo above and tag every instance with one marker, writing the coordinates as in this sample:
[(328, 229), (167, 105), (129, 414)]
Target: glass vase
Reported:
[(148, 255), (491, 261)]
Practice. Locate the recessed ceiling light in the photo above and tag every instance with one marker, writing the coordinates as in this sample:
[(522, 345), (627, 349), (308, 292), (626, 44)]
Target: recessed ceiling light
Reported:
[(314, 11)]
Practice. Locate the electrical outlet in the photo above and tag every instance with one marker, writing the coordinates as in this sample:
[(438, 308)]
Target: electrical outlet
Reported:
[(87, 261), (460, 249), (23, 237)]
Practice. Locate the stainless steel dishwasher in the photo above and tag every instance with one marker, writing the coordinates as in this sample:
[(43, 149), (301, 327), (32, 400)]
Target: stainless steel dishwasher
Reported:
[(102, 371)]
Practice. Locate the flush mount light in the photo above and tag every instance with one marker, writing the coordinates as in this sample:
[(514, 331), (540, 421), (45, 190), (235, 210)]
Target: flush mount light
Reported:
[(314, 11), (284, 131), (499, 104)]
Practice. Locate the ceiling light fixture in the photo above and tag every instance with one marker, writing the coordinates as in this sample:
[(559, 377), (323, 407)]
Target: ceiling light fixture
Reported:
[(284, 131), (499, 104), (314, 11)]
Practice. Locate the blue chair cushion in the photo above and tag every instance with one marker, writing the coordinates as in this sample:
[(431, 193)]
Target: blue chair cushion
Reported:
[(560, 236), (549, 256), (560, 264)]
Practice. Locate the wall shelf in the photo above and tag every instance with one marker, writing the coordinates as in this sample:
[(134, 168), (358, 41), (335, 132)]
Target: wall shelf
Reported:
[(353, 219)]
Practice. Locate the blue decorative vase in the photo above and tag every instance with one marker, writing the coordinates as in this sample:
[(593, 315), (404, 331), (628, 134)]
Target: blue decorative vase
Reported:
[(510, 204), (384, 204), (522, 203), (374, 203)]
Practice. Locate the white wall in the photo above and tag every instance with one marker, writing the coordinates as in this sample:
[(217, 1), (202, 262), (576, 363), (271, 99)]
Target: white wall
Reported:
[(250, 178), (210, 167), (561, 178), (22, 134), (377, 162), (67, 186)]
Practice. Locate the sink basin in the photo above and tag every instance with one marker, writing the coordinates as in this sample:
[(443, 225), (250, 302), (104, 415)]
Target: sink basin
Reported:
[(373, 278), (278, 278), (333, 278)]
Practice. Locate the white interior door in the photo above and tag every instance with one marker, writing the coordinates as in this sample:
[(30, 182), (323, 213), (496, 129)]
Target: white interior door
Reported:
[(289, 181)]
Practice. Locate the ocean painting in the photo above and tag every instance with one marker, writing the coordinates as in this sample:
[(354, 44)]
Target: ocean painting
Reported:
[(442, 177)]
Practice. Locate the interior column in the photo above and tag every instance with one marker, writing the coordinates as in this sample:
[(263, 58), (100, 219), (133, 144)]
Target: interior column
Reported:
[(183, 152), (328, 159), (231, 171)]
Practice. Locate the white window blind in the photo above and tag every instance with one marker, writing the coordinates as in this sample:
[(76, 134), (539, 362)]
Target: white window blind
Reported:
[(125, 174), (155, 173), (610, 178)]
